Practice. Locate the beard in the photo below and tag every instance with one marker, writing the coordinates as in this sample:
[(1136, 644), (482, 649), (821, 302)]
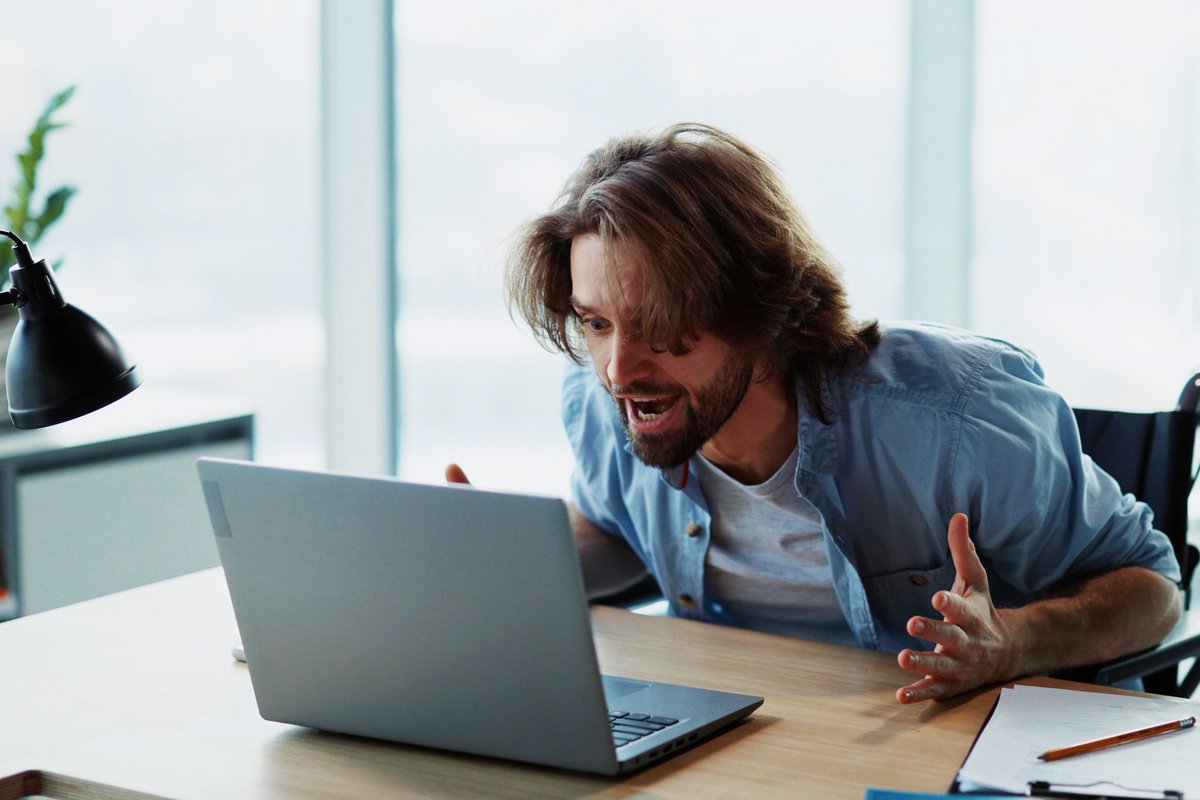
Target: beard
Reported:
[(705, 411)]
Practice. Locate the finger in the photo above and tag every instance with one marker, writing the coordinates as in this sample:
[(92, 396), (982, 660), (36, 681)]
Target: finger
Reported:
[(962, 550), (948, 635), (455, 474), (957, 610), (924, 689), (940, 666)]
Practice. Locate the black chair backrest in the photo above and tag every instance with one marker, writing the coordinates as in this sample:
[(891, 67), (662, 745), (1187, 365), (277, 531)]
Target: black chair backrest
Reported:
[(1150, 456)]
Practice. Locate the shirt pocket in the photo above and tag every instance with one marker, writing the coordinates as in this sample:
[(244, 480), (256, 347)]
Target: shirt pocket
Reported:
[(896, 597)]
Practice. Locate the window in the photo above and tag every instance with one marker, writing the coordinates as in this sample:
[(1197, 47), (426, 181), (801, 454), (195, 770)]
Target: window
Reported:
[(1087, 164), (497, 104), (193, 144)]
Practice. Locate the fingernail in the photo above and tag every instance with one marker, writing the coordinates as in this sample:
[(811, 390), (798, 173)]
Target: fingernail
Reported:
[(908, 694), (919, 627)]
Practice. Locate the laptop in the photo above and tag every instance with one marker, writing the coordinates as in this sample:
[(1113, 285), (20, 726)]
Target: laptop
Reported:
[(440, 616)]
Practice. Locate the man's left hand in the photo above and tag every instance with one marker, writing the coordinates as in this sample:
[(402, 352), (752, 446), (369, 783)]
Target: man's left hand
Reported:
[(973, 644)]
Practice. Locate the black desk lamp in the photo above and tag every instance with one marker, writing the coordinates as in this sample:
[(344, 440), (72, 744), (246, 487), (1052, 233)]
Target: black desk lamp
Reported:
[(62, 363)]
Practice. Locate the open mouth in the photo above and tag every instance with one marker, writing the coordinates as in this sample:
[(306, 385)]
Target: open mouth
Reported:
[(648, 412), (651, 409)]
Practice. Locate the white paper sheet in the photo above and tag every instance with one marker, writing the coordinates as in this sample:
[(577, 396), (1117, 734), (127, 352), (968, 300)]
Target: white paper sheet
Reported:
[(1029, 720)]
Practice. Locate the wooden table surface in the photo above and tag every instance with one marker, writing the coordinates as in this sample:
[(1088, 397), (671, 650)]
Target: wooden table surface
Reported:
[(136, 695)]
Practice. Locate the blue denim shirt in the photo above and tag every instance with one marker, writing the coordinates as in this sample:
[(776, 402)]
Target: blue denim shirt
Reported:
[(935, 422)]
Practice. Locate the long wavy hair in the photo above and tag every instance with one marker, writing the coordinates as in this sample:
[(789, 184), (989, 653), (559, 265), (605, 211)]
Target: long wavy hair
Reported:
[(718, 243)]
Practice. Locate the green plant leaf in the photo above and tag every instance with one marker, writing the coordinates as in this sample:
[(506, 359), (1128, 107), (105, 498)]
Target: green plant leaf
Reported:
[(15, 215), (56, 204), (21, 221), (56, 102), (18, 211), (19, 216)]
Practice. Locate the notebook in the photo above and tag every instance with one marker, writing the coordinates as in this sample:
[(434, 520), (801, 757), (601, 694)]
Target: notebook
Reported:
[(440, 616)]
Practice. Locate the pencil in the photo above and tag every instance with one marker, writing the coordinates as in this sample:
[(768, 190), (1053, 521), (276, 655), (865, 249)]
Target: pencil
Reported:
[(1120, 738)]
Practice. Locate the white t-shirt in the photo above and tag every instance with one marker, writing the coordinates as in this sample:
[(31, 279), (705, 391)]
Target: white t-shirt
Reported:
[(766, 563)]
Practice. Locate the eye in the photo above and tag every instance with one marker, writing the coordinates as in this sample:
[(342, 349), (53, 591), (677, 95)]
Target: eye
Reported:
[(590, 323), (595, 325)]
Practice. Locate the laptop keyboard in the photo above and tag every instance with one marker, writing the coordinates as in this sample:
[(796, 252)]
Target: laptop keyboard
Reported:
[(627, 727)]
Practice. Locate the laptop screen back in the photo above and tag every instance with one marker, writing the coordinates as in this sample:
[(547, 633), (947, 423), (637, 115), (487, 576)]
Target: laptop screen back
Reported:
[(441, 616)]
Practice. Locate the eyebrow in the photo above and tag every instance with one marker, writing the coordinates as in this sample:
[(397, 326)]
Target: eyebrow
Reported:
[(579, 306)]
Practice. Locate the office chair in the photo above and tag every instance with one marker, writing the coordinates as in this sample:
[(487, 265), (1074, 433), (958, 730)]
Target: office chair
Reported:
[(1150, 456)]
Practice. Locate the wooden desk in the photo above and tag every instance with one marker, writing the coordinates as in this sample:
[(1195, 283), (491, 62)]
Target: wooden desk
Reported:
[(137, 690)]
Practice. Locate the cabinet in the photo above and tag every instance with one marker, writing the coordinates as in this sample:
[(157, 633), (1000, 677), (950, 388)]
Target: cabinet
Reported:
[(111, 501)]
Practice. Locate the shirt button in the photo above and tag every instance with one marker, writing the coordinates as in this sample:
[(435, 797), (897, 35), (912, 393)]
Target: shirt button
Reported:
[(686, 600), (918, 580), (692, 529)]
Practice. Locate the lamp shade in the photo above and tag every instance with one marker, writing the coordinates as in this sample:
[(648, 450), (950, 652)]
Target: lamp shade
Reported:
[(62, 363)]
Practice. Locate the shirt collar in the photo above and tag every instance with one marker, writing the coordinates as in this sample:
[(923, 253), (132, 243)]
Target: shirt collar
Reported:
[(817, 441)]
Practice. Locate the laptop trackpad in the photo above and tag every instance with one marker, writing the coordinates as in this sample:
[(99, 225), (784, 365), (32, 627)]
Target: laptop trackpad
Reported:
[(619, 687)]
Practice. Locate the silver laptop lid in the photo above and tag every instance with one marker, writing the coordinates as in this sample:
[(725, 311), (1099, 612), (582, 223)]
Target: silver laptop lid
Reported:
[(432, 615)]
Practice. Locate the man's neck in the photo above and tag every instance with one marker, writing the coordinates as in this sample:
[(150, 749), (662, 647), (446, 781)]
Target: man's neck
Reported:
[(756, 441)]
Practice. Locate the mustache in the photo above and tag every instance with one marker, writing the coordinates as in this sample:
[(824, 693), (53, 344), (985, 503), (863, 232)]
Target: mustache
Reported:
[(645, 388)]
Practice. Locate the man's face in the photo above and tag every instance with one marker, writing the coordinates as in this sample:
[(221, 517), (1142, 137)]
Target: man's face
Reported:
[(670, 404)]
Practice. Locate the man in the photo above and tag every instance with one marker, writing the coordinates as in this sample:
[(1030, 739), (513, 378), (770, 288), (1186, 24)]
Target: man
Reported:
[(778, 466)]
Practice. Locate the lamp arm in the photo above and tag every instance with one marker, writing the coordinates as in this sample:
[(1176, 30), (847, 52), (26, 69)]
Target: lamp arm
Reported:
[(20, 249), (13, 296)]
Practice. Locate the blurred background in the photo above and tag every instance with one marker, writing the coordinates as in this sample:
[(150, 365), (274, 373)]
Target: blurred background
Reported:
[(1029, 170)]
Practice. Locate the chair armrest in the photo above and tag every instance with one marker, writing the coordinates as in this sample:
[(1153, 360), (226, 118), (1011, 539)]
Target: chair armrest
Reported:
[(1181, 643)]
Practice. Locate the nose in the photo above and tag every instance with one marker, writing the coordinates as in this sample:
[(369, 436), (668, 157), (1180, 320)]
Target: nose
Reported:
[(628, 361)]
